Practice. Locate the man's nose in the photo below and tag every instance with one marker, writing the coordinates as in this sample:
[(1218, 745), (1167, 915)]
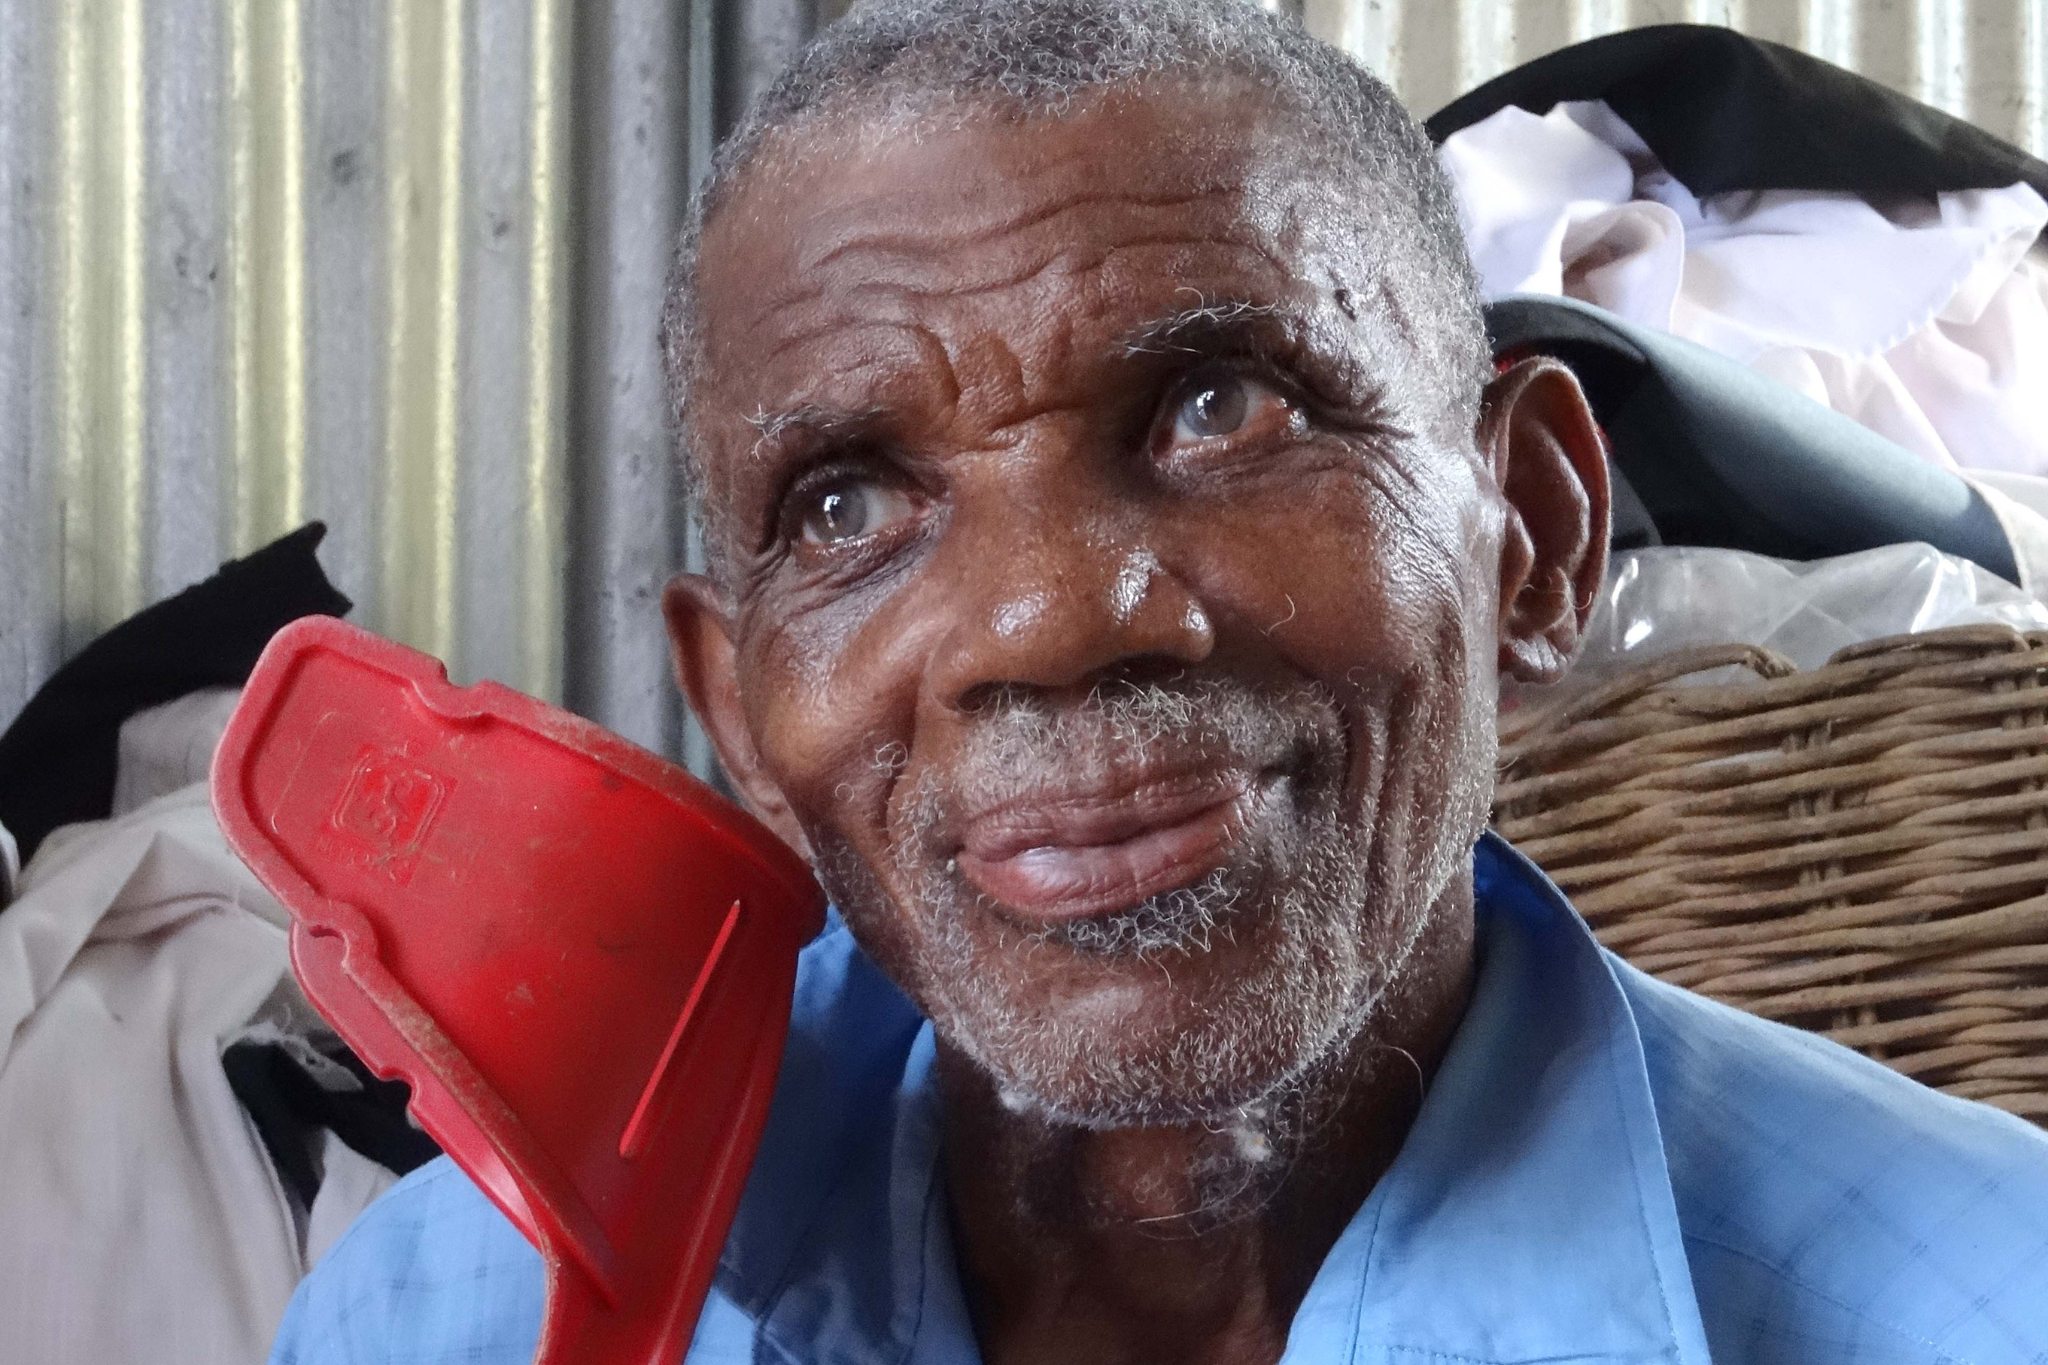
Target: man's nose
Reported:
[(1060, 601)]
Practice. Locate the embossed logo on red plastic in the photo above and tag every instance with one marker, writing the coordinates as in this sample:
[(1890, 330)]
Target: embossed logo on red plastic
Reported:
[(387, 809)]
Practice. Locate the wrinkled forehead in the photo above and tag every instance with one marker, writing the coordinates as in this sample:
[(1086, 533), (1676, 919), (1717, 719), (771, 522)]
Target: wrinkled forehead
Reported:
[(884, 264)]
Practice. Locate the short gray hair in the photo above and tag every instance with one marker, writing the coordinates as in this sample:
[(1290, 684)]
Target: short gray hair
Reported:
[(897, 59)]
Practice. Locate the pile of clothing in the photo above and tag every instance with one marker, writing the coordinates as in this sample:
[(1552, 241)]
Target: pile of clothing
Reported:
[(1703, 195), (181, 1137), (1862, 249)]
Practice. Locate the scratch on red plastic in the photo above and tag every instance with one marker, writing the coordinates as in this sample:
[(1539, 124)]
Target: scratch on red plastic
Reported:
[(634, 1140)]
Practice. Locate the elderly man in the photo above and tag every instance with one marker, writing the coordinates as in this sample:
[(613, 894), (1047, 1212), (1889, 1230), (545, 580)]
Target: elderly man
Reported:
[(1118, 532)]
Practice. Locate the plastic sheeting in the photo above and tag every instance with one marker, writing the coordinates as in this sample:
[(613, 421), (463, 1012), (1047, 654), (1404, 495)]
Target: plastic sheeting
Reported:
[(1666, 598)]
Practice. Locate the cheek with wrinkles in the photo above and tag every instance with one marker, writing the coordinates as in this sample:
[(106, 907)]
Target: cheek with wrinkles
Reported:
[(808, 721)]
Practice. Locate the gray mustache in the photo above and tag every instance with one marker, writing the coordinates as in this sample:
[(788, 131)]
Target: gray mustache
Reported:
[(1019, 736), (1021, 744)]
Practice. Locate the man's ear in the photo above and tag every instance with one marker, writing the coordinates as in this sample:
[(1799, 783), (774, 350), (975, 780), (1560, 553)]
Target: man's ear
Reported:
[(1550, 464), (700, 639)]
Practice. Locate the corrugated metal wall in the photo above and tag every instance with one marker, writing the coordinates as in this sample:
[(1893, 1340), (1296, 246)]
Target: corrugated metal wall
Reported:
[(1986, 60), (396, 264)]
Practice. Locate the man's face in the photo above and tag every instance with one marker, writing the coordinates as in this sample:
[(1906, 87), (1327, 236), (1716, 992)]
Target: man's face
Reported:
[(1113, 585)]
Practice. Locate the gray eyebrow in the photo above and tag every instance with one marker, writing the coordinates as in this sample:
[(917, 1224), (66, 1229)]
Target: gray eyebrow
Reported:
[(1197, 329), (772, 427), (1204, 328), (1320, 357)]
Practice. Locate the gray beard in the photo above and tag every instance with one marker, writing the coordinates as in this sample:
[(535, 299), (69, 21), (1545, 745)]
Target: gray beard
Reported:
[(1302, 884), (1182, 921)]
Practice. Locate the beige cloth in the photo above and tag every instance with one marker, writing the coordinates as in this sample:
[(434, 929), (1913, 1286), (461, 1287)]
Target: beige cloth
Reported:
[(140, 1217)]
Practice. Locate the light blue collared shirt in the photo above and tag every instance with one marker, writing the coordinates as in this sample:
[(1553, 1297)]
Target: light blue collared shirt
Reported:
[(1606, 1169)]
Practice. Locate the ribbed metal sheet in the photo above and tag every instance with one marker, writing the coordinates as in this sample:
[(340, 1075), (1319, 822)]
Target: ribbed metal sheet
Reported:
[(393, 265), (396, 264), (1985, 60)]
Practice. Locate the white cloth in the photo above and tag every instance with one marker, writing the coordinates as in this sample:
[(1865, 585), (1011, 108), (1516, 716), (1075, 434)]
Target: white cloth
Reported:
[(169, 747), (10, 865), (1926, 322), (140, 1217), (349, 1183), (2020, 502), (2028, 490)]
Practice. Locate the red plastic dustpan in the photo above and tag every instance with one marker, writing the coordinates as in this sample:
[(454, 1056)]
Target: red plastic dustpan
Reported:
[(578, 956)]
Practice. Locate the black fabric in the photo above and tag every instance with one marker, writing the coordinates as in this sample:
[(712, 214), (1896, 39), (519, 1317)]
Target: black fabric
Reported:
[(1720, 456), (290, 1108), (1724, 111), (1629, 523), (57, 758)]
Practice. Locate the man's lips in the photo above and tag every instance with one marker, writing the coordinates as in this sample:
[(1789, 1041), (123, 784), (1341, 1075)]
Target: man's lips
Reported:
[(1055, 859)]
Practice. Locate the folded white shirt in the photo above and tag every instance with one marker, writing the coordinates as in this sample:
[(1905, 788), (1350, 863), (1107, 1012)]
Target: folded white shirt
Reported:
[(1926, 320)]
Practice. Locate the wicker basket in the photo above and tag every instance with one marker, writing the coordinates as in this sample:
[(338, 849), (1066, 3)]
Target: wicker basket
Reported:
[(1860, 850)]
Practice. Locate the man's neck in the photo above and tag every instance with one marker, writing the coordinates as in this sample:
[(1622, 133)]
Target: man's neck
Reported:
[(1187, 1243)]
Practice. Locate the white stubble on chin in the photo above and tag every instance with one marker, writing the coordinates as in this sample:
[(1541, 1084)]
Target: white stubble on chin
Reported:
[(1115, 1053)]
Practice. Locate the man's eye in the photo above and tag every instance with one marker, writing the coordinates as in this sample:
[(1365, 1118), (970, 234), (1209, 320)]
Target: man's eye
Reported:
[(1223, 406), (849, 509)]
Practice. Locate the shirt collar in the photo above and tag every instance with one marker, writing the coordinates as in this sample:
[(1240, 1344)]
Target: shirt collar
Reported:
[(1528, 1217)]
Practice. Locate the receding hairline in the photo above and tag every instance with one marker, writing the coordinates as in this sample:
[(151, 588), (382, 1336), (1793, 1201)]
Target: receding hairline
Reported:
[(1371, 150), (1267, 133)]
